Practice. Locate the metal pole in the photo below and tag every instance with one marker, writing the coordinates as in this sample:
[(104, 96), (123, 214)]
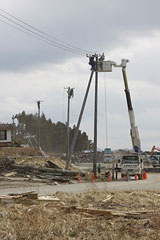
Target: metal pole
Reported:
[(78, 123), (95, 121)]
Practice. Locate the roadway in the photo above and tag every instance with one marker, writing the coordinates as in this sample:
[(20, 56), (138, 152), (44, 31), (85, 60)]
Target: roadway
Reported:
[(151, 183)]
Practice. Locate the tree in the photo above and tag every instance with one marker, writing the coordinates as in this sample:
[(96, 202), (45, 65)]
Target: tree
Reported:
[(53, 136)]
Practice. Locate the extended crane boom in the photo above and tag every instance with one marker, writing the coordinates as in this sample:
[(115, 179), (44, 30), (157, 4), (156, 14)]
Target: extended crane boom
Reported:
[(134, 130)]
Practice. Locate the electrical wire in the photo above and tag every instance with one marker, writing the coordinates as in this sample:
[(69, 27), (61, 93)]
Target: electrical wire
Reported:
[(48, 35), (32, 35), (44, 38), (49, 39)]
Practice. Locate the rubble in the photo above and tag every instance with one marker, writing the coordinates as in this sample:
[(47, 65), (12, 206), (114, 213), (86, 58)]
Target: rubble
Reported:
[(21, 162)]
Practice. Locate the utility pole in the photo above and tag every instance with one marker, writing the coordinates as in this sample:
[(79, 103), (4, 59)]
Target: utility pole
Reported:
[(38, 135), (70, 94), (14, 130), (13, 124), (95, 119), (79, 122)]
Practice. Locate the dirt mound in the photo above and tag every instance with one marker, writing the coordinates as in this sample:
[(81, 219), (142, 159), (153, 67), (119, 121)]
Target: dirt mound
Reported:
[(19, 151)]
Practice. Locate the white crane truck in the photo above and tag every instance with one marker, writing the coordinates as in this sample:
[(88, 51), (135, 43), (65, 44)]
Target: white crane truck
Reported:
[(131, 164)]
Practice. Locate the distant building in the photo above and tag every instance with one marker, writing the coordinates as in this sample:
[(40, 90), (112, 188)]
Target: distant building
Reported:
[(5, 134)]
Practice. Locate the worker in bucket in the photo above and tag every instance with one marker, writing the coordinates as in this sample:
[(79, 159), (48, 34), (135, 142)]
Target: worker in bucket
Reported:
[(99, 168)]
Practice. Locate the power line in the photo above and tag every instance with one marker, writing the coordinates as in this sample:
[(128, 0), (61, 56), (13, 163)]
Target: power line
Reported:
[(46, 41), (49, 39), (48, 35), (44, 38)]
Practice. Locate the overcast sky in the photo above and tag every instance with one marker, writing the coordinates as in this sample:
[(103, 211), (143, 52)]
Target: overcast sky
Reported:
[(32, 70)]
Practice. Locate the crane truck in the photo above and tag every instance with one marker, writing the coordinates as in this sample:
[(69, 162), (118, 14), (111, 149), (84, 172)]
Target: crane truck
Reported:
[(131, 163)]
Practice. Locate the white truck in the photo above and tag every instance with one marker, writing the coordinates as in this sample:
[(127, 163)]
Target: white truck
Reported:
[(131, 164)]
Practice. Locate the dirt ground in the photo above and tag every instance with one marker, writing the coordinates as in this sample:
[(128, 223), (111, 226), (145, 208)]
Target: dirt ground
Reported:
[(91, 215)]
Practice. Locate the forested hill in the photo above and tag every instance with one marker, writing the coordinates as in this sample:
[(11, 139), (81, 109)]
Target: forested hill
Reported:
[(52, 135)]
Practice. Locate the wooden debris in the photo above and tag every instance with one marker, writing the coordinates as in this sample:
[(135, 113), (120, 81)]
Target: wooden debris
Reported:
[(50, 164), (109, 197), (48, 198), (88, 210), (110, 213), (10, 174), (19, 198)]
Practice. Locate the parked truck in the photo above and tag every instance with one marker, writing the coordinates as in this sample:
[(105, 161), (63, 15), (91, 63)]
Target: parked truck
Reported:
[(131, 164)]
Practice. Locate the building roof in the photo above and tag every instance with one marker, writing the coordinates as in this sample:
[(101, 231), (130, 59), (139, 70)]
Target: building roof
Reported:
[(5, 126)]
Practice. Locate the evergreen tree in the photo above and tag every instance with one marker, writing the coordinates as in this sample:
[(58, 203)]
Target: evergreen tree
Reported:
[(53, 136)]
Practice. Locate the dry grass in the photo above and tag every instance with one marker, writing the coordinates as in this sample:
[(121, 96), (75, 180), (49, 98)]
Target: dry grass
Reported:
[(48, 220)]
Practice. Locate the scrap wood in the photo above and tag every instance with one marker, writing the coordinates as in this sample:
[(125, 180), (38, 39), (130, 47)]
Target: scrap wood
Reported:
[(88, 210), (107, 199), (10, 174), (111, 213), (91, 218), (31, 194), (48, 198), (43, 170), (61, 179), (17, 198)]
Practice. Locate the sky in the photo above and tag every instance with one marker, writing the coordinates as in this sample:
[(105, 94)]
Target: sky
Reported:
[(31, 69)]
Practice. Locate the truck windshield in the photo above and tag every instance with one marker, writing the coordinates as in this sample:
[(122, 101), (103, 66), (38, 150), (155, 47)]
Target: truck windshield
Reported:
[(130, 159)]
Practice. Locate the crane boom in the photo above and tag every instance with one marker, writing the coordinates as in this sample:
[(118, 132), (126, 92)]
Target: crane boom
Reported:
[(134, 129)]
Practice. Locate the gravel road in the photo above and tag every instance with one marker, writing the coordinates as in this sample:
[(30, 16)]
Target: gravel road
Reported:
[(151, 183)]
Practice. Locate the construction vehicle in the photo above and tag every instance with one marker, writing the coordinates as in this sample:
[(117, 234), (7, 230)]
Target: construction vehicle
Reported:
[(155, 161), (131, 164)]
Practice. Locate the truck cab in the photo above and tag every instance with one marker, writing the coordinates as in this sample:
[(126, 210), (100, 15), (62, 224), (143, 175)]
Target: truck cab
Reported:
[(131, 165), (108, 156)]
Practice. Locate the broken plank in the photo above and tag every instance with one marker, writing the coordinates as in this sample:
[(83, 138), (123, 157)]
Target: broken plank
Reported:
[(88, 210), (110, 213), (48, 198)]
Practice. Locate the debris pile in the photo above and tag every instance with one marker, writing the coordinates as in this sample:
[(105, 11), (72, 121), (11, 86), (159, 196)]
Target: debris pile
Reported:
[(33, 168)]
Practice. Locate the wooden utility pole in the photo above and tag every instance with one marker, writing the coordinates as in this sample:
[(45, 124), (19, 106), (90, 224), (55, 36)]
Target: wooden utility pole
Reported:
[(70, 94), (95, 120), (78, 123), (38, 135)]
